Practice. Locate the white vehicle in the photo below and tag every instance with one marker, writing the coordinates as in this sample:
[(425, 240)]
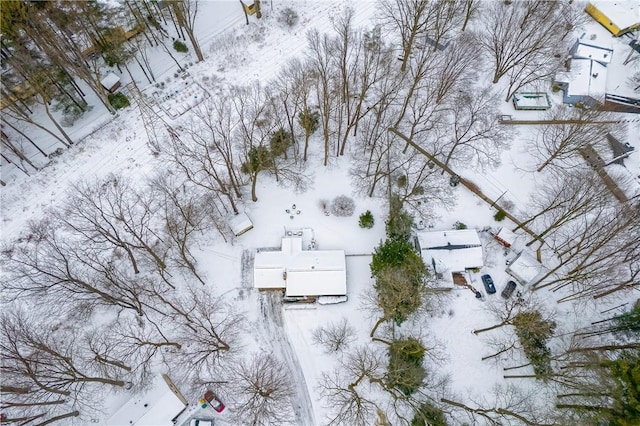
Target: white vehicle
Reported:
[(198, 422)]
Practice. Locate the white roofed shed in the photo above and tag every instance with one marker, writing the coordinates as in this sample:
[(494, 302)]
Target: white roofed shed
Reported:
[(525, 268)]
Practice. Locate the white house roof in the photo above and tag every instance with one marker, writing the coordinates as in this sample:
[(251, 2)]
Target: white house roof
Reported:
[(456, 249), (594, 52), (623, 13), (587, 78), (525, 268), (301, 272), (110, 80), (158, 407)]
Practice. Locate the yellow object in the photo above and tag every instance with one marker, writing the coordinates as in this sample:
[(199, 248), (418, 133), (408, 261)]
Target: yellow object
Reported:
[(608, 21), (249, 9)]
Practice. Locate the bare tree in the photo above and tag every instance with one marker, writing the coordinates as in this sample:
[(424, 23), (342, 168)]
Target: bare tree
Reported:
[(563, 197), (505, 311), (206, 154), (571, 130), (345, 390), (409, 19), (46, 377), (114, 214), (327, 88), (263, 389), (185, 12), (334, 337), (69, 271), (520, 35), (206, 328), (476, 136)]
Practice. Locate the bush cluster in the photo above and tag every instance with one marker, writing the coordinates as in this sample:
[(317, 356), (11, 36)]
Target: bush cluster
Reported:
[(180, 46), (406, 372), (288, 17), (118, 100), (343, 206), (499, 216)]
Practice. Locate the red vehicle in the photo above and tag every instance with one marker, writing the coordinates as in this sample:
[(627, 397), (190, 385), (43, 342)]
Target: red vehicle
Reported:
[(213, 400)]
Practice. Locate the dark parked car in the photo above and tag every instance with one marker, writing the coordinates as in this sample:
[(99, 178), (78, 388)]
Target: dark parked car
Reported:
[(508, 290), (488, 284)]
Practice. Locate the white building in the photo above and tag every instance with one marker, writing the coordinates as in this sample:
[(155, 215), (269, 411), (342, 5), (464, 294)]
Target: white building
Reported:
[(301, 273), (239, 224), (453, 250), (157, 407), (525, 268)]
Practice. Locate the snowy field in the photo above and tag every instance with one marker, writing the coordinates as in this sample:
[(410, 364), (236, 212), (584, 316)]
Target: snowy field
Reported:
[(236, 53)]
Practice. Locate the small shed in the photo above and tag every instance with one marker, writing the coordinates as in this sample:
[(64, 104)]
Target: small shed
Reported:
[(240, 224), (525, 268), (531, 101), (110, 82), (618, 17)]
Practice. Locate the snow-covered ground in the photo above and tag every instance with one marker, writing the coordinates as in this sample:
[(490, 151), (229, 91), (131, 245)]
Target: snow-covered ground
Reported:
[(119, 145)]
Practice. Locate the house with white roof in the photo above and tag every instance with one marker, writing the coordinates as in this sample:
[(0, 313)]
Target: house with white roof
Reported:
[(159, 406), (300, 272), (617, 16), (453, 250), (598, 74)]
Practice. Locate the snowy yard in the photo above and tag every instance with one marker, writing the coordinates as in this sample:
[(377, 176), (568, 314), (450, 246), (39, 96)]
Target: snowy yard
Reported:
[(192, 310)]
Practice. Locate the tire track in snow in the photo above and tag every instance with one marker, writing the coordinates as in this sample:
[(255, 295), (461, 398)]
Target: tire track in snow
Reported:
[(271, 310)]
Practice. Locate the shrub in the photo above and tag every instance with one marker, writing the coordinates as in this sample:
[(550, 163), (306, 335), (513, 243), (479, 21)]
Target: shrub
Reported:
[(459, 225), (118, 100), (428, 415), (405, 370), (366, 220), (499, 216), (180, 46), (280, 141), (343, 206), (399, 223), (288, 17)]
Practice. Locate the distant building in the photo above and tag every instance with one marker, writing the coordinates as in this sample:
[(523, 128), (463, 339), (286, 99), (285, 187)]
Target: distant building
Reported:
[(301, 273), (110, 82), (618, 17), (596, 75), (454, 250)]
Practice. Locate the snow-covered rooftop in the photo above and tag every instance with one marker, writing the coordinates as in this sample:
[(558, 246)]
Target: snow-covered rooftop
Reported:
[(586, 50), (587, 78), (240, 224), (525, 268), (622, 13), (456, 249), (109, 81), (301, 272), (158, 407)]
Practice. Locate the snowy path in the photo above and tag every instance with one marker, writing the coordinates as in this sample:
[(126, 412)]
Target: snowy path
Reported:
[(271, 310)]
